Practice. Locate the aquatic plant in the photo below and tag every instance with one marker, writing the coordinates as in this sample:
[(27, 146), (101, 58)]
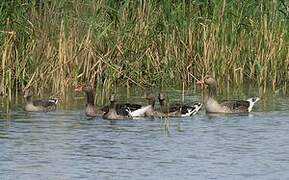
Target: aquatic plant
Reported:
[(57, 44)]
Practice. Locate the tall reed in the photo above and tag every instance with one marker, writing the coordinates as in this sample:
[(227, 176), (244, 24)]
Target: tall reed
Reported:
[(57, 44)]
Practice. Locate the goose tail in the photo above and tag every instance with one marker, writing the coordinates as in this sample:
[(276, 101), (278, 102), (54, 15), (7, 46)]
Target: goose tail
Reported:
[(53, 100), (127, 109), (194, 109), (197, 106), (252, 102)]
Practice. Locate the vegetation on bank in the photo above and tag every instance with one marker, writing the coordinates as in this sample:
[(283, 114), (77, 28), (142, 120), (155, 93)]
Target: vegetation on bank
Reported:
[(51, 44)]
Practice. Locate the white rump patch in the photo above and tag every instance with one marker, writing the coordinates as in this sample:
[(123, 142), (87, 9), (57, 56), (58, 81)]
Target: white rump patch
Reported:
[(55, 101), (194, 110), (252, 101), (141, 111)]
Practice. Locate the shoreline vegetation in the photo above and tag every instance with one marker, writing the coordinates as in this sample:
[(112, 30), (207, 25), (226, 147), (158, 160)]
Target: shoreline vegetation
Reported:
[(54, 45)]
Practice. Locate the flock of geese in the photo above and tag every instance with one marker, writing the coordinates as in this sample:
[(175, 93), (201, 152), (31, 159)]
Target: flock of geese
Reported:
[(118, 111)]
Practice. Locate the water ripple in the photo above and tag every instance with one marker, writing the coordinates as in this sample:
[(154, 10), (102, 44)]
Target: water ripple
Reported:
[(66, 145)]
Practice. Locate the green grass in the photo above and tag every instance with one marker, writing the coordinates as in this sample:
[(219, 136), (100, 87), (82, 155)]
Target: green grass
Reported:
[(147, 43)]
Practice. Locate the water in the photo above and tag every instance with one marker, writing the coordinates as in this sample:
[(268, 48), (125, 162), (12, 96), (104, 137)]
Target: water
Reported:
[(66, 145)]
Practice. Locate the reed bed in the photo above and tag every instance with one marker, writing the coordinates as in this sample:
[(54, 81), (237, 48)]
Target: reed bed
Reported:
[(54, 45)]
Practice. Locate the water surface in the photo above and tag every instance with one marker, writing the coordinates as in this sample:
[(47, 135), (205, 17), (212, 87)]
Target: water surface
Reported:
[(66, 145)]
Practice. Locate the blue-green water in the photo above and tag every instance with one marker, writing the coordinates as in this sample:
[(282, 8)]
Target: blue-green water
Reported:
[(65, 145)]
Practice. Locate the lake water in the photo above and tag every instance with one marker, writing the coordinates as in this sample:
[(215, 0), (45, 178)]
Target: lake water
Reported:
[(66, 145)]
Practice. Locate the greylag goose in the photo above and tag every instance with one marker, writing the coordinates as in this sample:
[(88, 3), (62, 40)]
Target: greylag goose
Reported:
[(92, 111), (136, 110), (122, 108), (112, 113), (147, 111), (38, 105), (181, 110), (228, 106), (90, 108)]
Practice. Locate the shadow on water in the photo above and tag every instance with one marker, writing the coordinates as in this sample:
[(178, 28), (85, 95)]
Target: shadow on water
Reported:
[(67, 145)]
